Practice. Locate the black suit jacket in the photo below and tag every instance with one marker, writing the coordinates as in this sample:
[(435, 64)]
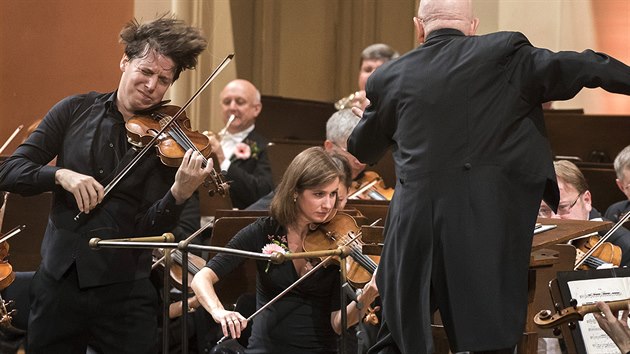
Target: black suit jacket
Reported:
[(464, 117), (250, 179)]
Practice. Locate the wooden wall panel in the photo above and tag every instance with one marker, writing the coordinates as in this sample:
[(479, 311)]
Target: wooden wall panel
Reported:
[(55, 48)]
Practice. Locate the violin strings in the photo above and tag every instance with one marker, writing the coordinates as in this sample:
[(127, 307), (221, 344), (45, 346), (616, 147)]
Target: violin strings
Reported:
[(192, 268), (365, 261), (182, 139)]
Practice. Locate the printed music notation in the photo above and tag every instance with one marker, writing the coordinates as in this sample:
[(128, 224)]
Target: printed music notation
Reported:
[(590, 291)]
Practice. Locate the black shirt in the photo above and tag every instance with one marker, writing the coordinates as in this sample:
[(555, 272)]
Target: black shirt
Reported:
[(86, 134)]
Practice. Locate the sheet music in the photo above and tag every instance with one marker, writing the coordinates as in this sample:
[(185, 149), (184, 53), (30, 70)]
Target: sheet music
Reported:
[(590, 291)]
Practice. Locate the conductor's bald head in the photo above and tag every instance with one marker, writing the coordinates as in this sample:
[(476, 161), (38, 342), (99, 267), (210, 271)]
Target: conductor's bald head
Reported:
[(437, 14)]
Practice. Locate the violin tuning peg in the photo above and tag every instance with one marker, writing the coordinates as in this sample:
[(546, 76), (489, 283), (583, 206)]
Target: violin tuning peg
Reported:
[(557, 332), (572, 325), (573, 302)]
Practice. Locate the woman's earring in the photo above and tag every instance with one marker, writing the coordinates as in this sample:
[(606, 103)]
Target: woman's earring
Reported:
[(294, 198)]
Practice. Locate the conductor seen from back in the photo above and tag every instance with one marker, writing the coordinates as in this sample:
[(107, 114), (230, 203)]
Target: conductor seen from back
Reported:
[(464, 116)]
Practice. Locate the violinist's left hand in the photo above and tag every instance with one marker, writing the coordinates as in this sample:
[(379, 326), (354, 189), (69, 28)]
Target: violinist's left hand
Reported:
[(190, 175)]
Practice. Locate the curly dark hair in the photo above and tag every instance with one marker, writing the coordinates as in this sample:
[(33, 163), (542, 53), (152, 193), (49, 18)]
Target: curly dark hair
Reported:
[(167, 36)]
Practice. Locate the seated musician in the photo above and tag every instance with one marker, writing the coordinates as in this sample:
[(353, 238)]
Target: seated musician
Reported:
[(622, 169), (240, 150), (338, 129), (372, 57), (575, 204), (307, 318)]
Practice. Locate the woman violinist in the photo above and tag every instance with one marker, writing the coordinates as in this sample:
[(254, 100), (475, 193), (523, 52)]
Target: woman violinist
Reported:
[(307, 318)]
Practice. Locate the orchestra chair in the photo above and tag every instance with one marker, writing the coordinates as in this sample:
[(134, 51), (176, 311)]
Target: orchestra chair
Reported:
[(33, 212), (372, 210), (295, 119), (282, 152), (243, 279), (601, 183), (587, 137), (235, 213)]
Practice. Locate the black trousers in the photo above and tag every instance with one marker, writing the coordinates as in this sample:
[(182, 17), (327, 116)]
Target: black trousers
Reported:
[(116, 318)]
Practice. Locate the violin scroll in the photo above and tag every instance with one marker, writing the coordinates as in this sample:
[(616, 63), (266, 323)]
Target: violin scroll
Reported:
[(572, 314)]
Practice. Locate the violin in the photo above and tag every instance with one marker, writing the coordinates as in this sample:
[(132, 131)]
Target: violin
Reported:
[(371, 186), (195, 264), (167, 128), (342, 230), (605, 253), (7, 276), (174, 142), (596, 242)]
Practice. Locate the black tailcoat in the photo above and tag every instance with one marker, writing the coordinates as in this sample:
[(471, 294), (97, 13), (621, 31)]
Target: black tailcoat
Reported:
[(472, 163)]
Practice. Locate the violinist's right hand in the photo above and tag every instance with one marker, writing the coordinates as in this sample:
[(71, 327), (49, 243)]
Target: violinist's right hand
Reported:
[(232, 323), (87, 192)]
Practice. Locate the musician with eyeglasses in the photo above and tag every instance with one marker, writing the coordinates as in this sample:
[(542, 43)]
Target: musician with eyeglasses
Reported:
[(576, 204)]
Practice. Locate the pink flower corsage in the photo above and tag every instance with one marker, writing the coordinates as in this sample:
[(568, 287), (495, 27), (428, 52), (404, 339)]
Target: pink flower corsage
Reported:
[(242, 151), (277, 244), (270, 248)]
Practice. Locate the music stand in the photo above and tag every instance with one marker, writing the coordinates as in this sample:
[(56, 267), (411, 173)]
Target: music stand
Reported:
[(151, 242), (566, 230), (602, 285)]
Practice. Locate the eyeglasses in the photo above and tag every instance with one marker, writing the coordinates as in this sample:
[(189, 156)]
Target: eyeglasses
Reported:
[(546, 212)]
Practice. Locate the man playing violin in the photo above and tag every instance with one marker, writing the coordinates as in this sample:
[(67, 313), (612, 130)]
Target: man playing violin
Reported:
[(104, 299), (307, 318)]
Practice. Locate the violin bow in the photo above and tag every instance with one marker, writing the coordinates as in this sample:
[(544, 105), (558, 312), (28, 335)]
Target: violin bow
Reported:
[(150, 144), (10, 139), (602, 240), (360, 191), (14, 231)]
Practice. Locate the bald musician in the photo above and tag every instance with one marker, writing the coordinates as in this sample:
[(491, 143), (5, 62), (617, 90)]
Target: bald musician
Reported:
[(240, 150)]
